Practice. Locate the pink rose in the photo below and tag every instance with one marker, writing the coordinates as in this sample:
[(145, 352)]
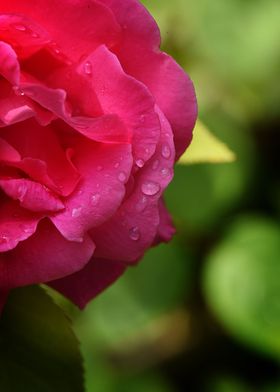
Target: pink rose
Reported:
[(93, 116)]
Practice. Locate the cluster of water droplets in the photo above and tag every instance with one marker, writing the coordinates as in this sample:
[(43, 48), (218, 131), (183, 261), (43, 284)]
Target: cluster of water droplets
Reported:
[(22, 28)]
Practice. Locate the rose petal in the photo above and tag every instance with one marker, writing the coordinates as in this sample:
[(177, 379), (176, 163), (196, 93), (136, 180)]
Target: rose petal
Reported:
[(38, 145), (104, 170), (26, 36), (43, 257), (140, 57), (16, 107), (32, 195), (9, 66), (76, 26), (16, 225), (7, 152), (123, 95), (133, 228), (166, 229), (90, 281)]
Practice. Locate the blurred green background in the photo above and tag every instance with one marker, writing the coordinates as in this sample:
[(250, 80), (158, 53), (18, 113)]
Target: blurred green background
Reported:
[(203, 313)]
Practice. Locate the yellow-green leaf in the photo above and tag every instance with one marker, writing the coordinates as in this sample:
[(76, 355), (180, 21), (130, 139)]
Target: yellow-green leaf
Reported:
[(206, 147)]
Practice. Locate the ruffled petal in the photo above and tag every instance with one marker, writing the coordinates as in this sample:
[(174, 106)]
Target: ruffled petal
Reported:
[(84, 285), (77, 26), (16, 225), (105, 170), (42, 156), (43, 257), (133, 228), (166, 229), (140, 57), (9, 66), (123, 95), (31, 195)]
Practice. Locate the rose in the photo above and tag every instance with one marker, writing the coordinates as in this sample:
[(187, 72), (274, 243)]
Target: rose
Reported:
[(91, 114)]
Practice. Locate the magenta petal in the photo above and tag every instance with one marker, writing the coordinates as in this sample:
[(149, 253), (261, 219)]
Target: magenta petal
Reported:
[(9, 66), (16, 225), (90, 281), (43, 257), (126, 97), (133, 228), (140, 57), (105, 168), (43, 158), (166, 229), (76, 26), (32, 195)]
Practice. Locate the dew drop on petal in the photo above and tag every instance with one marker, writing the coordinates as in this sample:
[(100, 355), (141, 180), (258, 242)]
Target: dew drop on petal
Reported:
[(165, 172), (99, 168), (116, 165), (134, 233), (150, 188), (20, 27), (166, 152), (88, 68), (139, 162), (76, 212), (122, 176), (19, 92), (95, 199)]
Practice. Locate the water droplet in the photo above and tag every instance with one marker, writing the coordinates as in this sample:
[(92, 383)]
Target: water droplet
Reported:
[(165, 172), (34, 35), (122, 176), (99, 168), (20, 27), (150, 188), (3, 239), (142, 204), (19, 92), (95, 199), (76, 212), (116, 165), (155, 165), (134, 233), (165, 151), (88, 68), (139, 162)]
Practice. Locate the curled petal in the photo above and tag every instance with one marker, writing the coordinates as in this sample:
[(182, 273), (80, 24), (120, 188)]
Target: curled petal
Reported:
[(9, 66), (35, 261), (16, 225), (134, 227), (62, 19), (104, 169), (32, 195), (140, 57), (90, 281)]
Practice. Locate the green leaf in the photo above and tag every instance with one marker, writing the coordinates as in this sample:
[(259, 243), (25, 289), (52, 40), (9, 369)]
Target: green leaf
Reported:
[(242, 283), (141, 296), (38, 350), (206, 147)]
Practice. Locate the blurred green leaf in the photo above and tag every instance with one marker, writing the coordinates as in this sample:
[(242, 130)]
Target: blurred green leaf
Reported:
[(206, 147), (157, 285), (242, 285), (201, 195), (38, 350)]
